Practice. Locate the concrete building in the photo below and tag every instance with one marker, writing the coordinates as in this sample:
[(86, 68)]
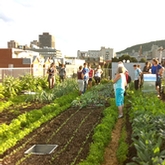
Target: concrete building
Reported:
[(12, 44), (45, 52), (34, 44), (96, 56), (46, 40)]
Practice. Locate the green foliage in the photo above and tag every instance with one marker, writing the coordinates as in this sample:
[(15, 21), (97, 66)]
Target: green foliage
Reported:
[(101, 137), (142, 60), (145, 46), (27, 122), (148, 122), (104, 81), (124, 57), (4, 105), (1, 91), (48, 96), (122, 150), (133, 59), (31, 83), (97, 96), (11, 86)]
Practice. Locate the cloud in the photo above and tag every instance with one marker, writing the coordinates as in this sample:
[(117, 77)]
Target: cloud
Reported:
[(5, 17)]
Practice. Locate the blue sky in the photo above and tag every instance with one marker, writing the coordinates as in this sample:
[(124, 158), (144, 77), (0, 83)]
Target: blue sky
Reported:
[(83, 24)]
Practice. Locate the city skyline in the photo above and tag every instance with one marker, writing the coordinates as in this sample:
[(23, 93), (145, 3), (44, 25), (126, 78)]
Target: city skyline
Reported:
[(82, 25)]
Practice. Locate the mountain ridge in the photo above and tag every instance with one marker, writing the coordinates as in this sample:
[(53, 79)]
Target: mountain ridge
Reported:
[(145, 46)]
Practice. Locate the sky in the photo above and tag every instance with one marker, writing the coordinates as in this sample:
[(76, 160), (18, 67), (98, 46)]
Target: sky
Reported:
[(83, 24)]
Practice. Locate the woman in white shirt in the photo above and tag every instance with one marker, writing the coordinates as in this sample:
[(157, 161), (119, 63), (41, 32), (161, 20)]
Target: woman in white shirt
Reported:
[(98, 74)]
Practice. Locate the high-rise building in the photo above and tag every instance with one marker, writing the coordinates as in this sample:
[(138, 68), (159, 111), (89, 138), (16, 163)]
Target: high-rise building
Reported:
[(12, 44), (46, 40)]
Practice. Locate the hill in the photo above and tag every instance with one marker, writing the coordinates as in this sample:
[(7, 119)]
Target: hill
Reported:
[(145, 46)]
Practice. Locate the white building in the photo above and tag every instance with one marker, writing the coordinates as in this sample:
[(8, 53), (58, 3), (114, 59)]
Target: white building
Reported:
[(106, 54)]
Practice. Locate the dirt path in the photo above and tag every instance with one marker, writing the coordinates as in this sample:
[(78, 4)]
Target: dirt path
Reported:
[(110, 151)]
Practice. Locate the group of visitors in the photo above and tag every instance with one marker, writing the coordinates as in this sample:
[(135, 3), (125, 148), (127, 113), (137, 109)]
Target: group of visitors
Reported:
[(150, 68), (85, 76), (121, 80), (52, 70)]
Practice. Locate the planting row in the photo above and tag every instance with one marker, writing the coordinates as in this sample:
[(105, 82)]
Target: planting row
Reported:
[(100, 138), (27, 122)]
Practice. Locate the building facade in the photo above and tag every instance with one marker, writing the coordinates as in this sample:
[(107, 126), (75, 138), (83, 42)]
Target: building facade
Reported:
[(46, 40), (96, 56), (12, 44), (34, 44)]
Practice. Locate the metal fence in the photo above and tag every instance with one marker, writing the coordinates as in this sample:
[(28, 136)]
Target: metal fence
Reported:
[(18, 72)]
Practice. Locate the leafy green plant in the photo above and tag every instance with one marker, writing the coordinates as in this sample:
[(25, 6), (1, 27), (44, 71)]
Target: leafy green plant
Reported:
[(48, 96), (27, 122), (122, 150), (97, 96), (11, 86), (147, 117), (105, 128), (31, 83)]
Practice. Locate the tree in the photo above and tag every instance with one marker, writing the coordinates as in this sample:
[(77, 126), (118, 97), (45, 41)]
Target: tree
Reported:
[(142, 60), (115, 59), (133, 59), (125, 57)]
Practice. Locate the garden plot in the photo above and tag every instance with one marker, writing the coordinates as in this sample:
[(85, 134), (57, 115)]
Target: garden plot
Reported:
[(72, 131)]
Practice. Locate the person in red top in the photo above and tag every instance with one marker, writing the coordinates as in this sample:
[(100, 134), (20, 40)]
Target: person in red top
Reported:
[(80, 80), (91, 75)]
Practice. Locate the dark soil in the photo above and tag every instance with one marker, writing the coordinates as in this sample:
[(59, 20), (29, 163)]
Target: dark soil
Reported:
[(131, 150), (72, 131), (7, 115)]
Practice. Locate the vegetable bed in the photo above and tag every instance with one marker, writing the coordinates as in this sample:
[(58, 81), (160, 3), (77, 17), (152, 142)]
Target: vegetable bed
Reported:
[(72, 131)]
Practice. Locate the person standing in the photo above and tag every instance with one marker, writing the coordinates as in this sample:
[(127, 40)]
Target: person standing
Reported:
[(98, 74), (51, 75), (140, 76), (120, 84), (86, 76), (158, 70), (147, 68), (80, 80), (62, 73), (91, 74), (137, 73)]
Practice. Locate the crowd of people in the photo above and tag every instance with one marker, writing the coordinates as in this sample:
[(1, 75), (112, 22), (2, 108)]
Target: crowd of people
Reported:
[(121, 80), (85, 76)]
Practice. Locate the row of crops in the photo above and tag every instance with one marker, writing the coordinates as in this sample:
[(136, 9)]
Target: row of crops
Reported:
[(146, 115)]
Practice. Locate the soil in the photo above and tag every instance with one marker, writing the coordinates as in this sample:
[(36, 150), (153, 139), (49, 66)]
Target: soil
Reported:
[(72, 131), (110, 151), (7, 115), (69, 131)]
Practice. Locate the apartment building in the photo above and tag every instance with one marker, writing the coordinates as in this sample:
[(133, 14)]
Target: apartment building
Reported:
[(96, 56), (12, 44), (46, 40)]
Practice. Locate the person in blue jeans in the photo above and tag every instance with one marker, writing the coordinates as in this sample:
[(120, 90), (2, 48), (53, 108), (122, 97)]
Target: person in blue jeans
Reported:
[(120, 83), (86, 76), (158, 70)]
